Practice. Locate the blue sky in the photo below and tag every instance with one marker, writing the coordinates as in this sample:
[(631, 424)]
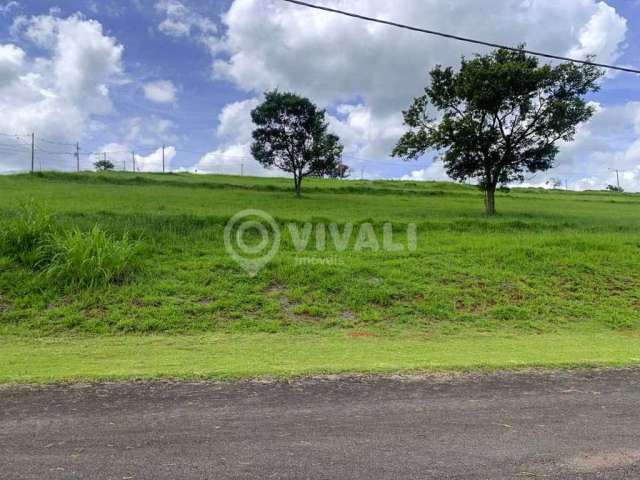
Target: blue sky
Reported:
[(131, 75)]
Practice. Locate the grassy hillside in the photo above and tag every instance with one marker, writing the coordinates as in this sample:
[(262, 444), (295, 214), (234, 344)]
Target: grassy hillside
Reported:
[(551, 261)]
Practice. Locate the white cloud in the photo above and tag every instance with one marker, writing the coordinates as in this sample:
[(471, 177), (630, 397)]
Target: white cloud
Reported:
[(180, 21), (5, 9), (122, 158), (160, 91), (334, 58), (148, 131), (435, 171), (234, 122), (58, 94), (609, 141), (234, 155), (362, 133), (11, 63), (153, 161), (602, 35), (368, 73)]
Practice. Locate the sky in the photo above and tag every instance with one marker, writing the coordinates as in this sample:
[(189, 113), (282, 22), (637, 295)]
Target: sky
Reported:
[(133, 75)]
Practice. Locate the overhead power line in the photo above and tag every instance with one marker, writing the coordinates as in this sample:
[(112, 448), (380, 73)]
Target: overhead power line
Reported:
[(13, 135), (56, 142), (462, 39)]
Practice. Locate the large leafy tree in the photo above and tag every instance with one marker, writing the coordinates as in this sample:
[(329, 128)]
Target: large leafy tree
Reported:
[(501, 115), (291, 134)]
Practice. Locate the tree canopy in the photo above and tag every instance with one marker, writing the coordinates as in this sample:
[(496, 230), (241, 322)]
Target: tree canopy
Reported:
[(292, 134), (103, 165), (501, 115)]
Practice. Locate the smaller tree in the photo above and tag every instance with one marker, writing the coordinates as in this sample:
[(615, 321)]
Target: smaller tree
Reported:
[(554, 182), (103, 165), (292, 135), (341, 171), (614, 188)]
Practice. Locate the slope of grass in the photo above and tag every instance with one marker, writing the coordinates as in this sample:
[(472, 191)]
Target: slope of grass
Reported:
[(549, 262)]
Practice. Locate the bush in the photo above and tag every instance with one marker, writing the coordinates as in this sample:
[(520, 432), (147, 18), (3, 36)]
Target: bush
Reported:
[(26, 234), (71, 258), (90, 259)]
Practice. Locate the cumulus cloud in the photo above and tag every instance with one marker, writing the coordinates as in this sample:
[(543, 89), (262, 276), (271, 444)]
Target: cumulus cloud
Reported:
[(7, 8), (11, 63), (608, 142), (57, 94), (602, 35), (366, 74), (153, 161), (148, 131), (363, 133), (181, 21), (160, 91), (122, 158), (233, 157), (333, 58), (435, 171)]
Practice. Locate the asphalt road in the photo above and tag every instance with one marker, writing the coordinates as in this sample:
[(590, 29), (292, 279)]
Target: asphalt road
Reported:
[(500, 426)]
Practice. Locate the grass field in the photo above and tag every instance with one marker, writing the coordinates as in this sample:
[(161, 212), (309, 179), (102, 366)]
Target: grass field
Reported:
[(552, 263), (283, 356)]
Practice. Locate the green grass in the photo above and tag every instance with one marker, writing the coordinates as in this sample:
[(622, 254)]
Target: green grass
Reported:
[(552, 262), (225, 357)]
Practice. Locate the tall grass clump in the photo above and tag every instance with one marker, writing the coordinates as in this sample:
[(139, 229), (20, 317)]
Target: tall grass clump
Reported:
[(24, 236), (71, 258), (90, 259)]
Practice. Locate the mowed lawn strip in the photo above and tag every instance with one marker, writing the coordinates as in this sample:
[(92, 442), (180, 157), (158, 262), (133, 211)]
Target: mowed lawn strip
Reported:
[(241, 356)]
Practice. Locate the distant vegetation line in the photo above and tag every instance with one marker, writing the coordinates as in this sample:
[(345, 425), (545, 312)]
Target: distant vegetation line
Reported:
[(455, 190)]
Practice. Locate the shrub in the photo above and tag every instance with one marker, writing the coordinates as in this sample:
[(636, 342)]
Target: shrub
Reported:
[(90, 259), (25, 235), (70, 258)]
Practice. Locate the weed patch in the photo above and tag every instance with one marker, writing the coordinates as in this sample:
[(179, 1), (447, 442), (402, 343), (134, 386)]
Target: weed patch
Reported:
[(69, 258)]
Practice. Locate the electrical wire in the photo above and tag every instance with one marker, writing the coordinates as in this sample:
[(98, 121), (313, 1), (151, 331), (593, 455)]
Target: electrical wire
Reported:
[(462, 39)]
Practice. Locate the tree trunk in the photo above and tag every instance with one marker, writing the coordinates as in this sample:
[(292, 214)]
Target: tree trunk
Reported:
[(490, 200), (297, 180)]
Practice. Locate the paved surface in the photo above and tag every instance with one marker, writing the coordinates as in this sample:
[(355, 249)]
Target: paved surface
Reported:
[(502, 426)]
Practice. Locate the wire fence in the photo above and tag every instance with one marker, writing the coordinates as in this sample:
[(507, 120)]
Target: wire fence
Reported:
[(21, 153)]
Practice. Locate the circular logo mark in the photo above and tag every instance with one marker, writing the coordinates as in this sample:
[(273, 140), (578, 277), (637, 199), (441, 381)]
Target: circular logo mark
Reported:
[(252, 238)]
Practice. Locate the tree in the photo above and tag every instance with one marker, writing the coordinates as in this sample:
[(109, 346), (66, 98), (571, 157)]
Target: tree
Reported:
[(615, 188), (341, 171), (291, 135), (103, 165), (554, 182), (503, 115)]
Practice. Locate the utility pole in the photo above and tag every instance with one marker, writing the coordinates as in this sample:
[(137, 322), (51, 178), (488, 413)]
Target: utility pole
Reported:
[(242, 168), (77, 155), (133, 159), (33, 152), (617, 176), (162, 158)]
